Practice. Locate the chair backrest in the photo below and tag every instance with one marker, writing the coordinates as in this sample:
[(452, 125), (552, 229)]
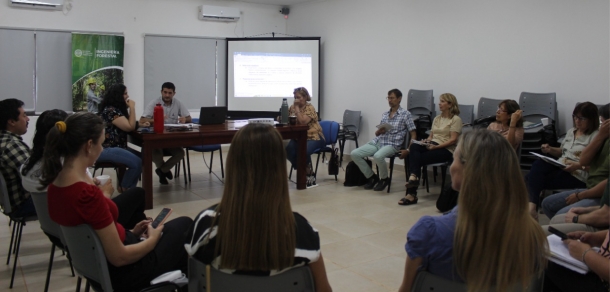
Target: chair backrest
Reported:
[(538, 105), (293, 280), (87, 254), (4, 199), (466, 113), (330, 129), (351, 121), (487, 107), (426, 281), (42, 209), (421, 102)]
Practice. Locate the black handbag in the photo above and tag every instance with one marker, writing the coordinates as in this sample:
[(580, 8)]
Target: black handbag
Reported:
[(333, 163)]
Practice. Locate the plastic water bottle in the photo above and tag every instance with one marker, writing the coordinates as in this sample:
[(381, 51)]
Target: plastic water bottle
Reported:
[(284, 111), (158, 118)]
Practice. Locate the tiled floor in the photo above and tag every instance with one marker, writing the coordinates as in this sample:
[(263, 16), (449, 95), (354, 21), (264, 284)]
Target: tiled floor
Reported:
[(362, 232)]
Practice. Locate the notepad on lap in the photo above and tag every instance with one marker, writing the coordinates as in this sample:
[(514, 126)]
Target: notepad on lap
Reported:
[(386, 126), (550, 160), (561, 255)]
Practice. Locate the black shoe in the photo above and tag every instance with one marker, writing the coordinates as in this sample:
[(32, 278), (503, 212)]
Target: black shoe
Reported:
[(382, 184), (169, 175), (372, 181), (162, 176), (311, 181)]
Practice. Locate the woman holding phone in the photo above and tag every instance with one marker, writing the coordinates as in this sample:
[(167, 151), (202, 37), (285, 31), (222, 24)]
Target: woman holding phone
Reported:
[(253, 227), (75, 199)]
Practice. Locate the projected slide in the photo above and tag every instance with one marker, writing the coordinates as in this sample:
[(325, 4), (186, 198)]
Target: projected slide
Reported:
[(258, 74)]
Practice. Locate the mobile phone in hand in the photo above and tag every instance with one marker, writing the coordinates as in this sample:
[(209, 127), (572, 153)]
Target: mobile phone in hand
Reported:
[(161, 217), (562, 235)]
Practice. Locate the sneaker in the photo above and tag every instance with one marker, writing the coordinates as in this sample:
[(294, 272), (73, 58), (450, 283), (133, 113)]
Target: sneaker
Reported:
[(382, 184), (162, 176), (372, 181)]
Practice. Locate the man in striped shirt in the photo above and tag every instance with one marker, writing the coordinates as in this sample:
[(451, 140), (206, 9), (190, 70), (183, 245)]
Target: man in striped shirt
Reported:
[(390, 135), (14, 152)]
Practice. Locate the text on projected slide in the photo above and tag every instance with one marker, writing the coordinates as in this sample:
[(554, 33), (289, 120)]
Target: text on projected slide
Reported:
[(270, 74)]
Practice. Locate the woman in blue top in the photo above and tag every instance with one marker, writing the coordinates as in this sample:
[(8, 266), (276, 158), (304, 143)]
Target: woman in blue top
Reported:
[(119, 114), (489, 239)]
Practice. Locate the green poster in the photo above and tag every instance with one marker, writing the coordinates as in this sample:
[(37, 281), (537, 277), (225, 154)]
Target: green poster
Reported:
[(97, 64)]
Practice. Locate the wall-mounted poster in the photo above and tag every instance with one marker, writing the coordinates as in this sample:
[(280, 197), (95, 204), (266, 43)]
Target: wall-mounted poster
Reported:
[(97, 63)]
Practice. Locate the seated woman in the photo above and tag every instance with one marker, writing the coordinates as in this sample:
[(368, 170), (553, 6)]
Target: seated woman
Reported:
[(119, 115), (253, 227), (75, 199), (489, 239), (580, 244), (439, 147), (131, 203), (544, 176), (509, 122), (306, 115), (596, 156)]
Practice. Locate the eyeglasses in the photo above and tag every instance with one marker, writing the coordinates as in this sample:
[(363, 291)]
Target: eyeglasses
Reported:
[(582, 119), (501, 110)]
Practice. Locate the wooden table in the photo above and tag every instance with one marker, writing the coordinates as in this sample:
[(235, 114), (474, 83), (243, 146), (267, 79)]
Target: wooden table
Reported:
[(207, 135)]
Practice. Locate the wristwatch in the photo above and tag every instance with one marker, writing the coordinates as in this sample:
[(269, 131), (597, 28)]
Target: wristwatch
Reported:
[(575, 219)]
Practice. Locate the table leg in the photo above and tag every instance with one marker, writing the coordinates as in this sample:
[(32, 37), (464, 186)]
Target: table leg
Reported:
[(302, 161), (147, 175)]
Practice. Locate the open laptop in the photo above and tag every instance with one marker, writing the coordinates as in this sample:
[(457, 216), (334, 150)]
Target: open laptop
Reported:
[(212, 115)]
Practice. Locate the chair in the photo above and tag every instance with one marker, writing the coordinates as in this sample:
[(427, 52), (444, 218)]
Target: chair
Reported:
[(293, 280), (351, 128), (17, 227), (420, 103), (90, 261), (443, 165), (487, 107), (330, 129), (466, 113), (204, 149), (425, 281), (52, 230), (177, 166), (535, 106), (405, 143)]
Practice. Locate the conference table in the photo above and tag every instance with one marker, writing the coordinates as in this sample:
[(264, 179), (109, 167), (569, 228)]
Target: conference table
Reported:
[(207, 135)]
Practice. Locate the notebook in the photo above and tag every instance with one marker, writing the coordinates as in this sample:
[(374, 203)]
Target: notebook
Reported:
[(212, 115)]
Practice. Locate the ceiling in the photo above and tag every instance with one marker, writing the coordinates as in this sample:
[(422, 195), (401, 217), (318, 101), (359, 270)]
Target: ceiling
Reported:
[(277, 2)]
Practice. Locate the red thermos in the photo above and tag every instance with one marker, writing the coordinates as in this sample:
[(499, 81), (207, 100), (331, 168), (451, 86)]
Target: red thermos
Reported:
[(158, 118)]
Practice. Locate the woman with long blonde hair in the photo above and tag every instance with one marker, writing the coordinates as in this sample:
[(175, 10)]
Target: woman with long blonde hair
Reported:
[(253, 227), (488, 240)]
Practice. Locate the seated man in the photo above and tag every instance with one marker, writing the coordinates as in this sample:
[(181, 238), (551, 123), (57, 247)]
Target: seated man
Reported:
[(13, 124), (174, 112), (387, 142)]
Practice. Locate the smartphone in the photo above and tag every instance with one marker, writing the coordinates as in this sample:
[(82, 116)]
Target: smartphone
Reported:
[(161, 217), (562, 235)]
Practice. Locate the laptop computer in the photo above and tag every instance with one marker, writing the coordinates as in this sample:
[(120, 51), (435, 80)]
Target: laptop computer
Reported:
[(212, 115)]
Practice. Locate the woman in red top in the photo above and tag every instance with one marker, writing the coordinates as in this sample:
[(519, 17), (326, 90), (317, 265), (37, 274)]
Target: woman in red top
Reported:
[(75, 198)]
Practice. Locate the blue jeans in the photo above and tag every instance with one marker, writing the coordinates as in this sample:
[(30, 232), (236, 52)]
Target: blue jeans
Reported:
[(379, 153), (123, 156), (556, 204), (544, 176), (292, 147)]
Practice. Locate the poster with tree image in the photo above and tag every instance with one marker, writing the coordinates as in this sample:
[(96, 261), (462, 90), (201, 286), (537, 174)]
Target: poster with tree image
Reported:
[(97, 64)]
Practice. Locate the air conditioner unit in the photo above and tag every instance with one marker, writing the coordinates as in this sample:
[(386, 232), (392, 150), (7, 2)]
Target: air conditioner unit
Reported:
[(218, 13), (38, 4)]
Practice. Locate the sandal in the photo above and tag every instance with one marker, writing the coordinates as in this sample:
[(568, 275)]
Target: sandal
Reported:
[(412, 183), (404, 201)]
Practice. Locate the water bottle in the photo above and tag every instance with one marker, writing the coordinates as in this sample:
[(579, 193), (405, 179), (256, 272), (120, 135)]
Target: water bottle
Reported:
[(158, 118), (284, 111)]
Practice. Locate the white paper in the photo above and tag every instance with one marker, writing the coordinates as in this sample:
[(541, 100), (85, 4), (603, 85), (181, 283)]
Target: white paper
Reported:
[(386, 126), (550, 160), (561, 255), (420, 142)]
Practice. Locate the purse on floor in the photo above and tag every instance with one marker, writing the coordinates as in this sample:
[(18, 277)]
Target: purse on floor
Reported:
[(333, 163)]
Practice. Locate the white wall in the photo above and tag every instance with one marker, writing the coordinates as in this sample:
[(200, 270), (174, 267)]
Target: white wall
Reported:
[(135, 18), (471, 48)]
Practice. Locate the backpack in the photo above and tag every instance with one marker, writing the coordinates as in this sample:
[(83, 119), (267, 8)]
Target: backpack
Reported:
[(353, 175), (447, 199)]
